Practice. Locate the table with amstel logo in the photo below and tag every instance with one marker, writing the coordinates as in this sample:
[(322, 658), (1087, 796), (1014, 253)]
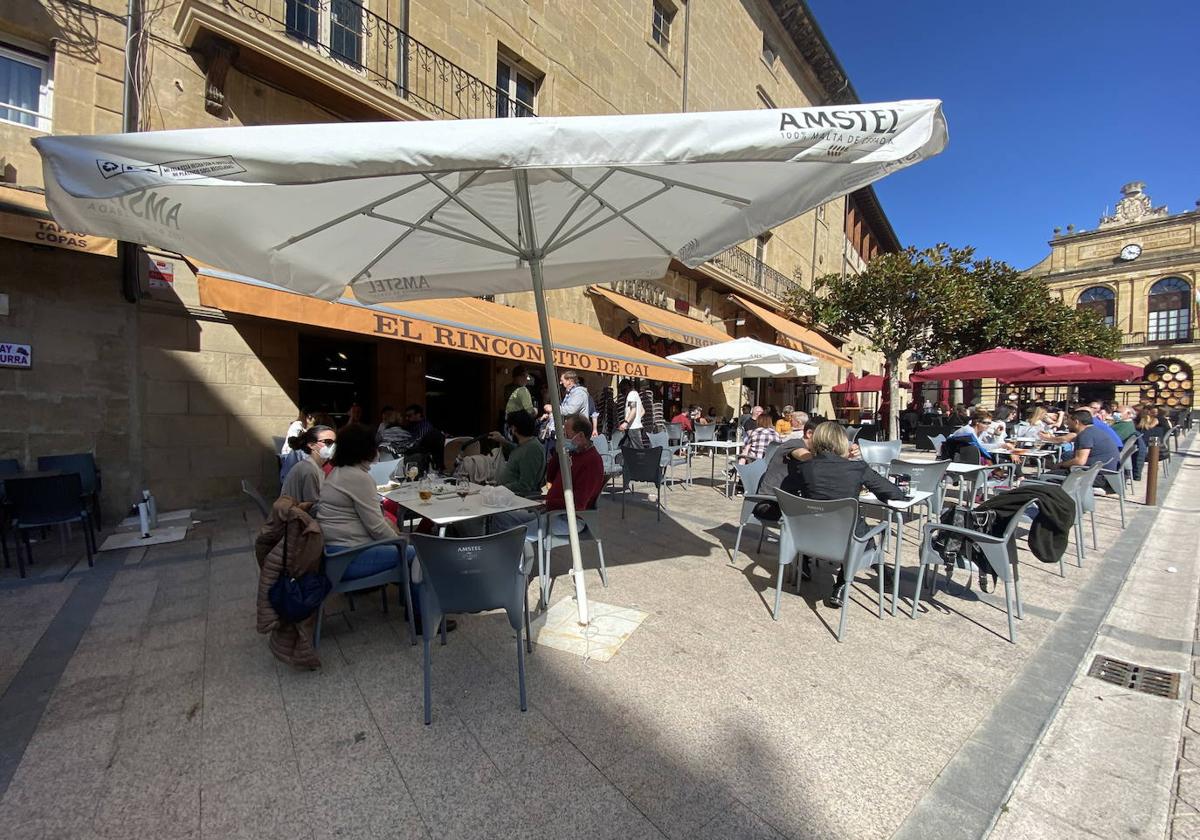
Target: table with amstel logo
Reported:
[(445, 508)]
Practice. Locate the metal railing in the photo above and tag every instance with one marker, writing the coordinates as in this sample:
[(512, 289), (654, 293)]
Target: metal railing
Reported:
[(754, 272), (1182, 335), (370, 46)]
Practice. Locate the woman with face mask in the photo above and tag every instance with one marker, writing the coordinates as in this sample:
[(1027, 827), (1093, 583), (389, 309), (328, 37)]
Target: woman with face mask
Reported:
[(303, 482)]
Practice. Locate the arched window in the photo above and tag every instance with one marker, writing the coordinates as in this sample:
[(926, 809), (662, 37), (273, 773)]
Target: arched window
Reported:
[(1102, 301), (1170, 305)]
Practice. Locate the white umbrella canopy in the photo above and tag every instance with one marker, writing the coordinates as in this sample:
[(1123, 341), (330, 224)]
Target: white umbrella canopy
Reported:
[(403, 210), (757, 370), (745, 351)]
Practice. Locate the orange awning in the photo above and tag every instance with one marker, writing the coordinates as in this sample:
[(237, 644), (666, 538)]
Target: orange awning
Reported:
[(661, 323), (796, 336), (24, 217), (467, 324)]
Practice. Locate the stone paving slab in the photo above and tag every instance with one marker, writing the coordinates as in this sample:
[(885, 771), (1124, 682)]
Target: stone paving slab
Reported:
[(169, 717)]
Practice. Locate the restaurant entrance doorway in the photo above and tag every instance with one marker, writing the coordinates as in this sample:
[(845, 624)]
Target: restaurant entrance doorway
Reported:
[(335, 373), (457, 392)]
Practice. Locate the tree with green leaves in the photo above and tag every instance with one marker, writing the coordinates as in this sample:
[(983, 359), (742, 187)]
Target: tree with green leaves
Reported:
[(942, 303), (897, 304)]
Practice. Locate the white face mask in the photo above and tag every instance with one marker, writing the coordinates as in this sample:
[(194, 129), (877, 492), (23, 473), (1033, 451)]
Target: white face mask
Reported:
[(326, 452)]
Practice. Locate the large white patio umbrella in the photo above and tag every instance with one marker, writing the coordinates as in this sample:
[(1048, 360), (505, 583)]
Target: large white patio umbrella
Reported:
[(747, 357), (403, 210)]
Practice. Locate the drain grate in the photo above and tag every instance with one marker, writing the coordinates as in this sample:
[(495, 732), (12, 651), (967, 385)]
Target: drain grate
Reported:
[(1138, 677)]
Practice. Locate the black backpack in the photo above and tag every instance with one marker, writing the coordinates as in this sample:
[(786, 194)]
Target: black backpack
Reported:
[(957, 551)]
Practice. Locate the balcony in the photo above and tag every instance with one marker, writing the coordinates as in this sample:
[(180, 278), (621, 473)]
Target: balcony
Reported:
[(1162, 338), (747, 270), (369, 63)]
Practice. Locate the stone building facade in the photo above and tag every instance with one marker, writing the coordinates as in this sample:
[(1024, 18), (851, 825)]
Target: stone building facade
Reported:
[(1138, 270), (172, 393)]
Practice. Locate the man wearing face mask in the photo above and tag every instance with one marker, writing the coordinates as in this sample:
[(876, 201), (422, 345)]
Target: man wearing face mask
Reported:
[(303, 482), (587, 477)]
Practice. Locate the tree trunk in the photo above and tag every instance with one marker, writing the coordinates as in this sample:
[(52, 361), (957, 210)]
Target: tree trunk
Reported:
[(893, 418)]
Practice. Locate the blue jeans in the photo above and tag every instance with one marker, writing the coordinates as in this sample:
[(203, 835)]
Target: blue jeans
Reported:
[(373, 560)]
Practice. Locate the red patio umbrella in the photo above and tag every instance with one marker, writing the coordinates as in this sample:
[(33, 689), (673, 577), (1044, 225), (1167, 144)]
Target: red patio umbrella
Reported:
[(1003, 364), (1099, 370), (872, 382)]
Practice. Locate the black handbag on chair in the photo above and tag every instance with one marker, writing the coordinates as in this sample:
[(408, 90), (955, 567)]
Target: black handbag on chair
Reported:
[(296, 598)]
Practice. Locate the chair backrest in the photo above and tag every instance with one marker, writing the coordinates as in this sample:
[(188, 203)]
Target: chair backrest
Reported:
[(256, 497), (876, 452), (704, 432), (937, 441), (1127, 450), (660, 439), (961, 451), (752, 474), (46, 499), (769, 452), (476, 573), (674, 433), (10, 466), (821, 529), (83, 463), (923, 476), (381, 471), (602, 444), (641, 464), (457, 446), (852, 432)]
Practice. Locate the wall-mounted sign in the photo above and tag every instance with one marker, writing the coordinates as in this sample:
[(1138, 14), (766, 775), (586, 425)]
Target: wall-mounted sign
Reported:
[(161, 274), (16, 355)]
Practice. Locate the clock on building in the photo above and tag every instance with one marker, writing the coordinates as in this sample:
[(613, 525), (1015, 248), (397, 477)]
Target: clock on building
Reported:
[(1131, 252)]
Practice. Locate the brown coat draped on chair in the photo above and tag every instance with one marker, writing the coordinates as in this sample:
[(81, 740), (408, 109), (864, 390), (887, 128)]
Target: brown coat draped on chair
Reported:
[(290, 643)]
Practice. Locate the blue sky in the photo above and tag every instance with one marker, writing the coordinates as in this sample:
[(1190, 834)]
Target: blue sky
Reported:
[(1051, 108)]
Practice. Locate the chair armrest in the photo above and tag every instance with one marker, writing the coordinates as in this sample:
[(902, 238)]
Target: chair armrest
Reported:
[(358, 549), (759, 497), (871, 534), (978, 536)]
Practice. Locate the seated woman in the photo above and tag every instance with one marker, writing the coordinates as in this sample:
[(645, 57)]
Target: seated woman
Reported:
[(825, 472), (348, 510), (304, 480), (760, 437)]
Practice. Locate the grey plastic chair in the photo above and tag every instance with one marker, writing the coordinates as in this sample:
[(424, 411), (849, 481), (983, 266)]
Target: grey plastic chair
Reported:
[(826, 530), (879, 454), (84, 465), (469, 576), (925, 477), (668, 458), (642, 465), (1078, 484), (995, 549), (263, 506), (1116, 479), (335, 564), (751, 476), (675, 434), (937, 441), (589, 533), (705, 432), (611, 468), (43, 501), (852, 432)]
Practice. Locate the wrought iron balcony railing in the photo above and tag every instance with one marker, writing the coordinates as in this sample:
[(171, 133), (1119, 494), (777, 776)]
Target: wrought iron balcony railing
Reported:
[(754, 272), (1177, 335), (383, 53)]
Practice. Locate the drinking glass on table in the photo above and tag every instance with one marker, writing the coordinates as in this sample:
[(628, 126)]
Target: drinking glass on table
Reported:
[(463, 489), (412, 471), (425, 489)]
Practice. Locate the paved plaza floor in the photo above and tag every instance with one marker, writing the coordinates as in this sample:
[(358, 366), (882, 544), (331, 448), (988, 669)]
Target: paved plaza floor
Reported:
[(137, 701)]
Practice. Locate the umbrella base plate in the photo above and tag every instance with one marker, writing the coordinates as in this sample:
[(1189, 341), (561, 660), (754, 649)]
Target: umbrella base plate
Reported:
[(559, 628)]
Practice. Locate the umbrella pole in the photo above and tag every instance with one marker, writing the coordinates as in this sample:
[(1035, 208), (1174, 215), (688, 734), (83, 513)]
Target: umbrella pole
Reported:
[(539, 298)]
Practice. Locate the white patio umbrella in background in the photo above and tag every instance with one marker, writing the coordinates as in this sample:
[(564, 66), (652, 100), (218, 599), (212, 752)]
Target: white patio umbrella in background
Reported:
[(748, 358), (403, 210)]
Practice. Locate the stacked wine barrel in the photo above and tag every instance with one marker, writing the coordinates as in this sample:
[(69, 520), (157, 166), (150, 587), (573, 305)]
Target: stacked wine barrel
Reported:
[(1168, 383)]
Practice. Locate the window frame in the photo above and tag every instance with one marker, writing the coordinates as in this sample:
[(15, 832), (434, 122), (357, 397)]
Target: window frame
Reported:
[(1109, 316), (1169, 325), (509, 97), (45, 115), (660, 35), (322, 11)]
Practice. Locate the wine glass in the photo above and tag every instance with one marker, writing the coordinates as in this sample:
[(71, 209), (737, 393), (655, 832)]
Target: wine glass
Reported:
[(412, 471), (463, 489)]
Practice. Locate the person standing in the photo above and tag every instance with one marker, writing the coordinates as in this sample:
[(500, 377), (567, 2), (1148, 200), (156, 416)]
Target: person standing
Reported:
[(303, 421), (635, 413), (519, 398), (575, 397)]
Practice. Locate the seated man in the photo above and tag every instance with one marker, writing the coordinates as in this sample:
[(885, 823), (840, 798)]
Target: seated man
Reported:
[(1091, 446), (587, 478), (970, 434), (524, 468), (424, 437)]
